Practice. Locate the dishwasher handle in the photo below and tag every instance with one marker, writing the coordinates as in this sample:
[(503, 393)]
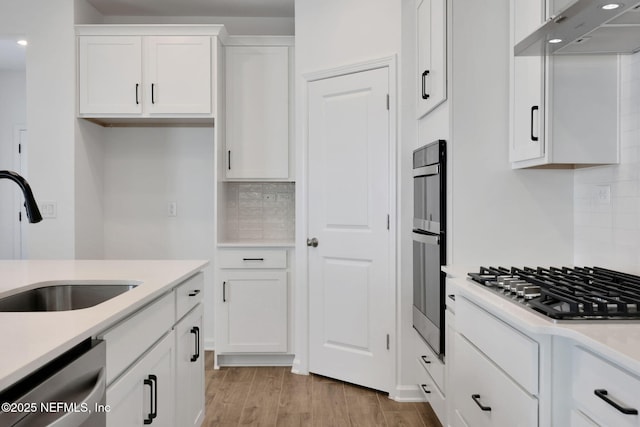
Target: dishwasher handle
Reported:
[(95, 395)]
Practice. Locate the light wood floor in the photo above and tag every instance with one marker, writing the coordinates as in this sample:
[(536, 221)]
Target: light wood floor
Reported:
[(273, 396)]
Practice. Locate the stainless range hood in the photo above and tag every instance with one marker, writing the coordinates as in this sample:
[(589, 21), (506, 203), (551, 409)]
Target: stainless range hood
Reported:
[(585, 27)]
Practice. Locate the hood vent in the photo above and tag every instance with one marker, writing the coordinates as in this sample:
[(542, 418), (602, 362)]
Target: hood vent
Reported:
[(587, 27)]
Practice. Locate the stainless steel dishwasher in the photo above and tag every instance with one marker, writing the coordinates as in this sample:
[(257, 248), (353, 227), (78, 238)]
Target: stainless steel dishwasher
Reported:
[(67, 392)]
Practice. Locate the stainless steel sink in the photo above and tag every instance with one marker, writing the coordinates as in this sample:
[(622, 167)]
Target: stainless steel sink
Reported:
[(62, 297)]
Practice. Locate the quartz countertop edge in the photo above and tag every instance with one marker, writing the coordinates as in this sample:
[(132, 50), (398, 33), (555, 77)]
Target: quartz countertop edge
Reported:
[(31, 339), (618, 341)]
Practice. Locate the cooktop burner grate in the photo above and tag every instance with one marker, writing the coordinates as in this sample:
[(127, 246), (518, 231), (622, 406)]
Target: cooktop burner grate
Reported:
[(578, 293)]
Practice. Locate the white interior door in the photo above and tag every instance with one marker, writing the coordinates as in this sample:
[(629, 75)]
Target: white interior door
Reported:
[(351, 297)]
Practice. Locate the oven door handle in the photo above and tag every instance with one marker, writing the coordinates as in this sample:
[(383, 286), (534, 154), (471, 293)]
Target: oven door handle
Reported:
[(92, 399), (428, 239), (427, 170)]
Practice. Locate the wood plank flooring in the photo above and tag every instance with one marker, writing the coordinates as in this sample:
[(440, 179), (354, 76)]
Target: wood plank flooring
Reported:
[(273, 396)]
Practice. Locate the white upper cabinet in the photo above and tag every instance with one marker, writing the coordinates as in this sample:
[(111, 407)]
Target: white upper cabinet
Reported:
[(178, 72), (564, 109), (257, 112), (147, 72), (110, 74), (431, 24)]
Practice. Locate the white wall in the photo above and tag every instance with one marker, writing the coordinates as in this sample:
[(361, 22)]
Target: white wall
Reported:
[(50, 114), (144, 169), (13, 111), (607, 232)]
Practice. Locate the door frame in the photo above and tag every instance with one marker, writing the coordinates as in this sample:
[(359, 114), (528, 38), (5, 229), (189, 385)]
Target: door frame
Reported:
[(301, 288)]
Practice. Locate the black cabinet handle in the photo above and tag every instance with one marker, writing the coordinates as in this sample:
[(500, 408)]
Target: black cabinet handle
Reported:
[(229, 159), (137, 99), (424, 388), (603, 394), (152, 382), (224, 291), (194, 293), (253, 259), (196, 331), (533, 109), (476, 398), (153, 93), (425, 360), (425, 95)]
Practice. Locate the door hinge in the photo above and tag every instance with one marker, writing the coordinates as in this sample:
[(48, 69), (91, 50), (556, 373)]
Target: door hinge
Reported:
[(388, 342), (388, 221), (388, 101)]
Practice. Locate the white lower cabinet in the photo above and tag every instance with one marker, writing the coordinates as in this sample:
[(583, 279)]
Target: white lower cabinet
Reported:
[(253, 312), (145, 394), (190, 369), (155, 366), (603, 392), (484, 395), (578, 419)]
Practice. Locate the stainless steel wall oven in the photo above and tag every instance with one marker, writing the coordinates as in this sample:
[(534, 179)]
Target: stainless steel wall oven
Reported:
[(429, 242)]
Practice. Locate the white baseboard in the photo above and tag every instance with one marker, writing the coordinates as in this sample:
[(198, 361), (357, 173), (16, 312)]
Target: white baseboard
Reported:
[(255, 359), (407, 393)]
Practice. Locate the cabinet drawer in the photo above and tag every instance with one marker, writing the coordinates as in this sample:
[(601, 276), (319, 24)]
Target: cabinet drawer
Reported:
[(578, 419), (434, 396), (188, 294), (514, 352), (591, 373), (252, 258), (434, 367), (127, 340), (484, 395)]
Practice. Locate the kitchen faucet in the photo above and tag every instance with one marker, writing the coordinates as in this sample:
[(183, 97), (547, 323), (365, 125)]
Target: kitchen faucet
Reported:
[(33, 213)]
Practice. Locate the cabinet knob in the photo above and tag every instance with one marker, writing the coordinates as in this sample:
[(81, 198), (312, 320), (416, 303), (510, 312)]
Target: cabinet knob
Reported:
[(313, 242)]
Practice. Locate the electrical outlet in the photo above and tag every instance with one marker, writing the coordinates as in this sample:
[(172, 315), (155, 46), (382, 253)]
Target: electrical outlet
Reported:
[(48, 209), (603, 194), (172, 209)]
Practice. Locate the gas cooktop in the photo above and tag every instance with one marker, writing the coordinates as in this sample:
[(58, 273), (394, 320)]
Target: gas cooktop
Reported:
[(563, 293)]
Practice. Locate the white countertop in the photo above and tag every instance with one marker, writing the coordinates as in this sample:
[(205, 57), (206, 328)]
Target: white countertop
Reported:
[(31, 339), (618, 341)]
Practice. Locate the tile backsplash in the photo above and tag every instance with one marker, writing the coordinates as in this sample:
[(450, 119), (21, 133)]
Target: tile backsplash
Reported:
[(257, 212), (607, 198)]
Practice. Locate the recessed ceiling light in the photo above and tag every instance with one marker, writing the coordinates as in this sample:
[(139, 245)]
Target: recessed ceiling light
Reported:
[(23, 42), (611, 6), (554, 41)]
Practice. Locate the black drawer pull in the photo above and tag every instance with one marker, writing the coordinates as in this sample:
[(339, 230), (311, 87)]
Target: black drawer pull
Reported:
[(425, 95), (253, 259), (153, 93), (425, 360), (424, 388), (533, 109), (194, 293), (452, 297), (603, 394), (137, 99), (152, 382), (196, 331), (224, 291), (476, 398)]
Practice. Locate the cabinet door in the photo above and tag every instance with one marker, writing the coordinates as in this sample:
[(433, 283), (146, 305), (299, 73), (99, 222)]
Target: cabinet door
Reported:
[(432, 54), (190, 369), (146, 390), (484, 395), (110, 75), (257, 108), (528, 77), (178, 75), (254, 312)]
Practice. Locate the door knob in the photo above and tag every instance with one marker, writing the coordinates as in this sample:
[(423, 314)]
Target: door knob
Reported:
[(312, 242)]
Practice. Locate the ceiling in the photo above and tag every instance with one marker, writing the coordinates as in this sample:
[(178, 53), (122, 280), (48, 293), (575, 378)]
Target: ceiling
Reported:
[(248, 8), (12, 55)]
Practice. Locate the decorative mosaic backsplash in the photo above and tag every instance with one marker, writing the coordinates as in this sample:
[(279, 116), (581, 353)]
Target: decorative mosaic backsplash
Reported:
[(257, 211)]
